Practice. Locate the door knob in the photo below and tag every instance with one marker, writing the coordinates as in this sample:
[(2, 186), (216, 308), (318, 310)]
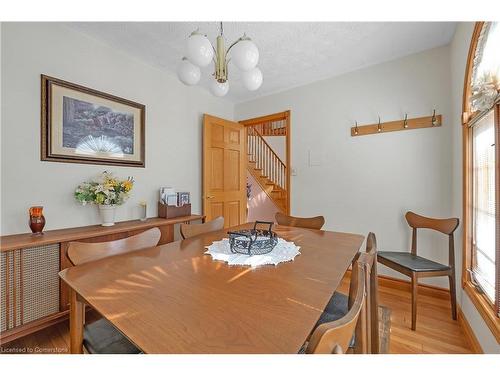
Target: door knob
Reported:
[(210, 197)]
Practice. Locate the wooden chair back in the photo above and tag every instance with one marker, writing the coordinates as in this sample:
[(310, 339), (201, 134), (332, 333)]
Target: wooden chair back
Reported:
[(335, 337), (369, 327), (368, 259), (372, 292), (83, 252), (445, 226), (191, 230), (316, 222)]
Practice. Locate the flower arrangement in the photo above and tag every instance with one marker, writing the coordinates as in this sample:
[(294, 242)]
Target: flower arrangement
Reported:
[(104, 190)]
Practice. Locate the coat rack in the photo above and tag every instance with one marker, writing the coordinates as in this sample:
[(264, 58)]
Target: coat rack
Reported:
[(393, 126)]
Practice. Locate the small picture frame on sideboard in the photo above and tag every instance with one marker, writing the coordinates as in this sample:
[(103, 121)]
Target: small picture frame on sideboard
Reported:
[(183, 198)]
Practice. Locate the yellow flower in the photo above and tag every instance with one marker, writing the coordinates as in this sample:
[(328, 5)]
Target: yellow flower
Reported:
[(127, 185)]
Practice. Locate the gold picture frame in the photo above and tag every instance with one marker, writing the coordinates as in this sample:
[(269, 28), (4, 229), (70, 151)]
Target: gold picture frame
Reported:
[(83, 125)]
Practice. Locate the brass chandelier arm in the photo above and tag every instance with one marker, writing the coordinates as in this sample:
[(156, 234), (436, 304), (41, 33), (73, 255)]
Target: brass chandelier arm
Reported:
[(240, 39), (216, 54), (244, 37), (214, 59), (220, 56), (221, 68)]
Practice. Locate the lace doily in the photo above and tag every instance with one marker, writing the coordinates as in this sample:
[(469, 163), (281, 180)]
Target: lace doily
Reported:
[(284, 251)]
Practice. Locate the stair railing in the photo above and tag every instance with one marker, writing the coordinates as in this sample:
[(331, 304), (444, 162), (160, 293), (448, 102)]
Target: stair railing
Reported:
[(274, 127), (265, 158)]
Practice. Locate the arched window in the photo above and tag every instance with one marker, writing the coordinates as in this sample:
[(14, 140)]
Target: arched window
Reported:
[(483, 71), (481, 141)]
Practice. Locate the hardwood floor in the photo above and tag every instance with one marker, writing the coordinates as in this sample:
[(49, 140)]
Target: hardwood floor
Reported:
[(436, 331)]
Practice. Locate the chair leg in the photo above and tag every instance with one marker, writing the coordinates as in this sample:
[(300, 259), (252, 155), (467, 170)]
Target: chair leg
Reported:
[(453, 296), (414, 286)]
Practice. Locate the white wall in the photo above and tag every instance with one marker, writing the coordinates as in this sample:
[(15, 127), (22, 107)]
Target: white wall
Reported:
[(459, 49), (367, 183), (364, 184), (173, 125)]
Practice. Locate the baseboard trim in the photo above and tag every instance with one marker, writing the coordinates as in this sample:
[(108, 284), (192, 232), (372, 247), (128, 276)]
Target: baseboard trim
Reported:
[(435, 291), (469, 333), (423, 289), (401, 284), (32, 327), (35, 326)]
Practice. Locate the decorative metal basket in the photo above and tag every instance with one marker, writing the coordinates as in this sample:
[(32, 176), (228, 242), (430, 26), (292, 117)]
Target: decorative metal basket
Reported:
[(253, 241)]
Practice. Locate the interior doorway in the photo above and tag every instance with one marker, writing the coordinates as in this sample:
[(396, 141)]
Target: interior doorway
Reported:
[(268, 140)]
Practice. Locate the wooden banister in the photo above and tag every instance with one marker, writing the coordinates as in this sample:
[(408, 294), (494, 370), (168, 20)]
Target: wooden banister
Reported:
[(259, 120), (272, 128), (265, 143), (265, 158)]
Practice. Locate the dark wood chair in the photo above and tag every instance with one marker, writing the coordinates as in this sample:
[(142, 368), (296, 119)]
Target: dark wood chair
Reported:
[(192, 230), (316, 222), (335, 337), (101, 337), (415, 266), (378, 321)]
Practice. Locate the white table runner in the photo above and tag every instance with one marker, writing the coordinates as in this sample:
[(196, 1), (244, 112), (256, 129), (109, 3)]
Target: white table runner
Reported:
[(284, 251)]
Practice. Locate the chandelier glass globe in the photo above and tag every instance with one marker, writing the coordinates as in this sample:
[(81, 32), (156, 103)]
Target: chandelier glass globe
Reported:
[(219, 88), (252, 79), (188, 73), (245, 54), (199, 50)]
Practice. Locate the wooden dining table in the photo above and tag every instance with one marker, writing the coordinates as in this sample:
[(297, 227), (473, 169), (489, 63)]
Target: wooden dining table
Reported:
[(174, 298)]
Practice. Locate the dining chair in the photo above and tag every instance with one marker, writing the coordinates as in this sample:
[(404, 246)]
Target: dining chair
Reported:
[(335, 337), (415, 266), (316, 222), (339, 304), (191, 230), (101, 337)]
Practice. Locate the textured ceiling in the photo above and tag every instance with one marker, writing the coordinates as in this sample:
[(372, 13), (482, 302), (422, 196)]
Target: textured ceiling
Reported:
[(291, 53)]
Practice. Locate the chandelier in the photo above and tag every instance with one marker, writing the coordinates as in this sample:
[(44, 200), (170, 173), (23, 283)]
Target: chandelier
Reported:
[(200, 52)]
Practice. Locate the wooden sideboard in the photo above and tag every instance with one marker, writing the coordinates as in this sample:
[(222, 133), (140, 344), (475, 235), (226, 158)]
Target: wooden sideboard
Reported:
[(32, 295)]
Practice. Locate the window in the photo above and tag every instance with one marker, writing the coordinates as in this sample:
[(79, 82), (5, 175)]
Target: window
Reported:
[(481, 132), (483, 205)]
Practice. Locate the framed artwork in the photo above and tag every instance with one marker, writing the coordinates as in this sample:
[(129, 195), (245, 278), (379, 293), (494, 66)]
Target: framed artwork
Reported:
[(82, 125), (183, 198)]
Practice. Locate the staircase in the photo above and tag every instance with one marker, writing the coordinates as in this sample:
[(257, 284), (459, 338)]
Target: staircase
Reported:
[(266, 167), (272, 127)]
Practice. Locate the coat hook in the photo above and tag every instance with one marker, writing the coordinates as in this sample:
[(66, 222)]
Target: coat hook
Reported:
[(356, 128), (405, 122), (379, 127), (434, 121)]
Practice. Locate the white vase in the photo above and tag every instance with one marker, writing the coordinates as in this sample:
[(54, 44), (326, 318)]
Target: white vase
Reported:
[(107, 212)]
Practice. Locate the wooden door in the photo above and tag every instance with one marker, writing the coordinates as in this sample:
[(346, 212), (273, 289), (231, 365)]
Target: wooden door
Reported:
[(224, 170)]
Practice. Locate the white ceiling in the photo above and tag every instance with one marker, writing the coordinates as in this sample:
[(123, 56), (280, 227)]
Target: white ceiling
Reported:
[(291, 53)]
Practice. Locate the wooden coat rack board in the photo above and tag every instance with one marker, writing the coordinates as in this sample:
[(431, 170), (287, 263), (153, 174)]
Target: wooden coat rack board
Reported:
[(393, 126)]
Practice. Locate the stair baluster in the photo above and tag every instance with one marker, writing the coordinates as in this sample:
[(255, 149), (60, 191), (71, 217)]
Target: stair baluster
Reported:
[(268, 169)]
